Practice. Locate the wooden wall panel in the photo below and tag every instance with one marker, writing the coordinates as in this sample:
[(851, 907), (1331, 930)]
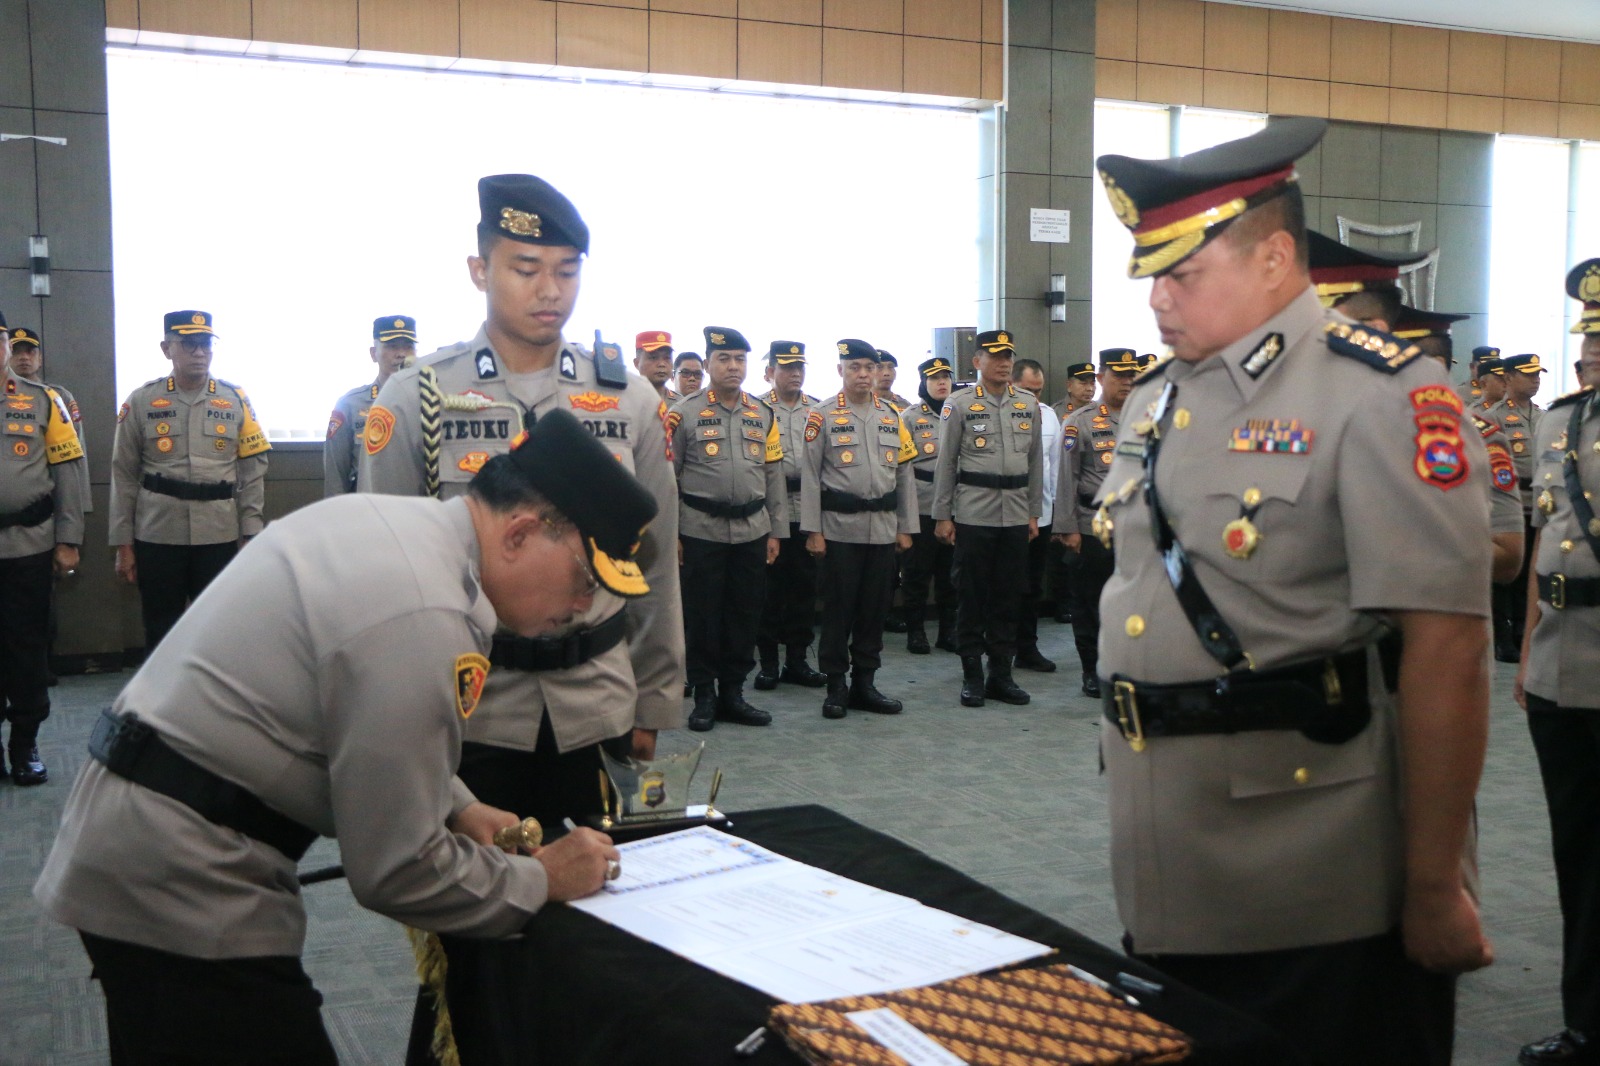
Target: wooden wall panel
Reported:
[(1159, 84), (1477, 63), (1485, 114), (330, 23), (954, 20), (856, 59), (1116, 29), (1172, 32), (801, 12), (1361, 51), (1236, 38), (993, 72), (508, 31), (1297, 96), (214, 18), (1116, 80), (944, 68), (1411, 107), (721, 8), (1358, 103), (605, 38), (1533, 69), (701, 45), (1298, 45), (880, 16), (122, 14), (994, 21), (1532, 118), (769, 51), (1235, 92), (1579, 121), (420, 27), (1419, 58), (1580, 73)]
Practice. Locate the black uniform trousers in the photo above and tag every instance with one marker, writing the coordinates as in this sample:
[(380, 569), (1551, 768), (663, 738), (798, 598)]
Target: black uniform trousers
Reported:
[(174, 1010), (724, 586), (1567, 742), (791, 605), (1028, 610), (172, 576), (1355, 1002), (25, 642), (857, 585), (991, 572), (1095, 564), (928, 562), (1510, 601)]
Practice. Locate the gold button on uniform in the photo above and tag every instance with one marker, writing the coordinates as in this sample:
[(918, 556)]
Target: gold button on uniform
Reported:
[(1252, 497), (1180, 418), (1566, 545), (1302, 776), (1134, 626)]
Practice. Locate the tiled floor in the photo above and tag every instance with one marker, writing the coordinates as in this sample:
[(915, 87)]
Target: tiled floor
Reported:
[(1008, 795)]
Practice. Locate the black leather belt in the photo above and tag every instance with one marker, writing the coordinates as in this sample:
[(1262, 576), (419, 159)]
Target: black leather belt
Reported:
[(844, 503), (132, 750), (188, 490), (533, 654), (1326, 699), (1524, 482), (1561, 591), (993, 481), (1086, 499), (718, 509), (31, 515), (922, 473), (792, 482)]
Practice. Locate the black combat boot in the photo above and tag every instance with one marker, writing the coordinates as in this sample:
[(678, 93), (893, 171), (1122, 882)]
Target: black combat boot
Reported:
[(1029, 659), (731, 706), (838, 695), (864, 696), (26, 769), (767, 675), (1091, 685), (704, 715), (1566, 1048), (917, 638), (797, 671), (1001, 686), (972, 681), (946, 639)]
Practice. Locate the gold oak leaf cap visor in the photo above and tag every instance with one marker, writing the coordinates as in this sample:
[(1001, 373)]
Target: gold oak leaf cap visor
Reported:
[(1173, 207), (582, 480)]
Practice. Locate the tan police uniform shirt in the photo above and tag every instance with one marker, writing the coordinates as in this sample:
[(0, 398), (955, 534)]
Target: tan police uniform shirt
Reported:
[(329, 671), (922, 422), (1065, 408), (1087, 439), (1520, 423), (988, 433), (729, 455), (637, 683), (205, 437), (347, 427), (1505, 500), (1471, 394), (1564, 647), (43, 457), (791, 435), (1370, 500), (864, 451)]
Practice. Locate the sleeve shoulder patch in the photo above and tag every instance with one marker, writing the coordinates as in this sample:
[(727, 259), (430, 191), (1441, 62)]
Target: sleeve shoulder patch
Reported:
[(813, 425), (380, 429), (1373, 347), (472, 670)]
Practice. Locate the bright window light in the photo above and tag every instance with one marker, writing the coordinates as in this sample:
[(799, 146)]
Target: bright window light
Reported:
[(1200, 127), (299, 201), (1528, 252), (1122, 315)]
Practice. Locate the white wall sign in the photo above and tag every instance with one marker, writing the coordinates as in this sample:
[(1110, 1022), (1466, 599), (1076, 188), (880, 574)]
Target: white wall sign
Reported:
[(1050, 226)]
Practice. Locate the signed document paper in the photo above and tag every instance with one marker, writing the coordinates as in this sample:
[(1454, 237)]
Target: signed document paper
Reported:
[(793, 931)]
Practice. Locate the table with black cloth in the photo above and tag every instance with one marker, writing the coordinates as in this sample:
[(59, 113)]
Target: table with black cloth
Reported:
[(575, 990)]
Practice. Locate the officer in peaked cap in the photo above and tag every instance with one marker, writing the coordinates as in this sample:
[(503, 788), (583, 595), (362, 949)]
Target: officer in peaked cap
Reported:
[(1471, 391), (394, 347), (929, 559), (1080, 389), (787, 617), (652, 358), (1519, 419), (858, 507), (732, 515), (1492, 377), (987, 496), (1559, 680), (1364, 286), (333, 706), (188, 476), (1264, 845)]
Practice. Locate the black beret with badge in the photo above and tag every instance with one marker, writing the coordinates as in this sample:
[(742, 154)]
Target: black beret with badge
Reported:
[(1338, 270), (524, 208), (996, 342), (24, 335), (851, 348), (1583, 283), (188, 323), (1174, 207), (721, 338), (1080, 370), (886, 357), (786, 353), (569, 467), (394, 328), (937, 365), (1119, 359)]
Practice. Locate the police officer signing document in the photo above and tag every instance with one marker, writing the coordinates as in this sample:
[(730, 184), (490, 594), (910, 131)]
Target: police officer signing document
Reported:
[(335, 706), (1297, 511)]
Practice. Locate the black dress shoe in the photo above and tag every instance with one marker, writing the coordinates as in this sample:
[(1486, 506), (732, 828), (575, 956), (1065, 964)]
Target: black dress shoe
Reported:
[(767, 677), (1507, 653), (838, 695), (1091, 686), (1030, 659), (1566, 1048), (971, 681), (704, 716), (893, 624), (864, 695), (26, 769), (917, 641), (731, 706), (799, 672)]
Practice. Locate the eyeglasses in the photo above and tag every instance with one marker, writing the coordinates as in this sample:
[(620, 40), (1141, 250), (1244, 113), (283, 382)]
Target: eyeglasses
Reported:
[(591, 587)]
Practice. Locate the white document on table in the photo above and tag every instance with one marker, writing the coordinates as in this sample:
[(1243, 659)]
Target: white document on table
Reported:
[(797, 933)]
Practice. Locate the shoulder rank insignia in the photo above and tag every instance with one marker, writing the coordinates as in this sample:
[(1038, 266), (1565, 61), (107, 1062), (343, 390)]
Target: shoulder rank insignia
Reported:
[(1154, 370), (487, 367), (1571, 397), (569, 365), (1370, 346), (1265, 354)]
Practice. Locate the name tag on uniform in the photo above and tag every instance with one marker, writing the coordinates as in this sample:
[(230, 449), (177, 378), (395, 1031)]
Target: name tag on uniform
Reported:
[(1133, 449)]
